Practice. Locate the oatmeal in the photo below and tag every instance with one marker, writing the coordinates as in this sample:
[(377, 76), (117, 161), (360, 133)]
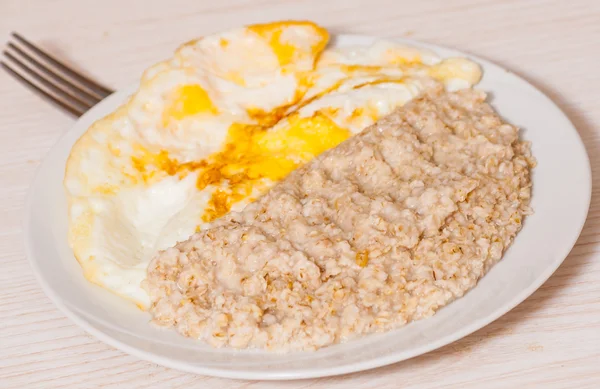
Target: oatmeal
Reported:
[(386, 228)]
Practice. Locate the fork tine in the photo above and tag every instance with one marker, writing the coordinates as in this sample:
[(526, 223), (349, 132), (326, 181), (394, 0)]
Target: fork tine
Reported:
[(92, 99), (74, 100), (91, 85), (43, 93)]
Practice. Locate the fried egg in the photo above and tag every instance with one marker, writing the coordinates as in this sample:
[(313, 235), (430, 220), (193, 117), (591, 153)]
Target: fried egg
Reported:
[(214, 127)]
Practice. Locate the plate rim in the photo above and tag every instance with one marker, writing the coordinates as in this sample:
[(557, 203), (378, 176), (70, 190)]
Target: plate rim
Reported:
[(313, 372)]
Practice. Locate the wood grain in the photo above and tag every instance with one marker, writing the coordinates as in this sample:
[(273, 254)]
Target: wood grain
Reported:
[(552, 340)]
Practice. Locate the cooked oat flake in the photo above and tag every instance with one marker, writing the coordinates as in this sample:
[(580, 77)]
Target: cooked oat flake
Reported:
[(386, 228)]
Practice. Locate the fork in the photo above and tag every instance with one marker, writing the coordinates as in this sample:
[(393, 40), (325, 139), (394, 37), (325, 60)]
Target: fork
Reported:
[(51, 79)]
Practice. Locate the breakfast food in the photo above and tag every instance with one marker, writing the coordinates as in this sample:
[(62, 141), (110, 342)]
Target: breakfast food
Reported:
[(386, 228), (217, 125)]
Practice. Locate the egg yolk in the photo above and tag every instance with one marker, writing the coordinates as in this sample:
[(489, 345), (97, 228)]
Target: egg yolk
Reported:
[(285, 51), (189, 100), (148, 164), (253, 153), (304, 137)]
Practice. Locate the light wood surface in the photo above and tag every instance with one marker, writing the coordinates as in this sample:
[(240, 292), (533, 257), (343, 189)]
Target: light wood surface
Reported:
[(550, 341)]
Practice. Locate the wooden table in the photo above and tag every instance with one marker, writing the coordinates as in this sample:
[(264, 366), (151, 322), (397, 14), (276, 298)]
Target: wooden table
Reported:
[(550, 341)]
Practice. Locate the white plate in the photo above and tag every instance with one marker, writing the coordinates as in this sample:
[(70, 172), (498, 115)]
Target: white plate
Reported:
[(561, 197)]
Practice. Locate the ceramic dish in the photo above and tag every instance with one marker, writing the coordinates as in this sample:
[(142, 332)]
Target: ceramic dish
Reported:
[(561, 197)]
